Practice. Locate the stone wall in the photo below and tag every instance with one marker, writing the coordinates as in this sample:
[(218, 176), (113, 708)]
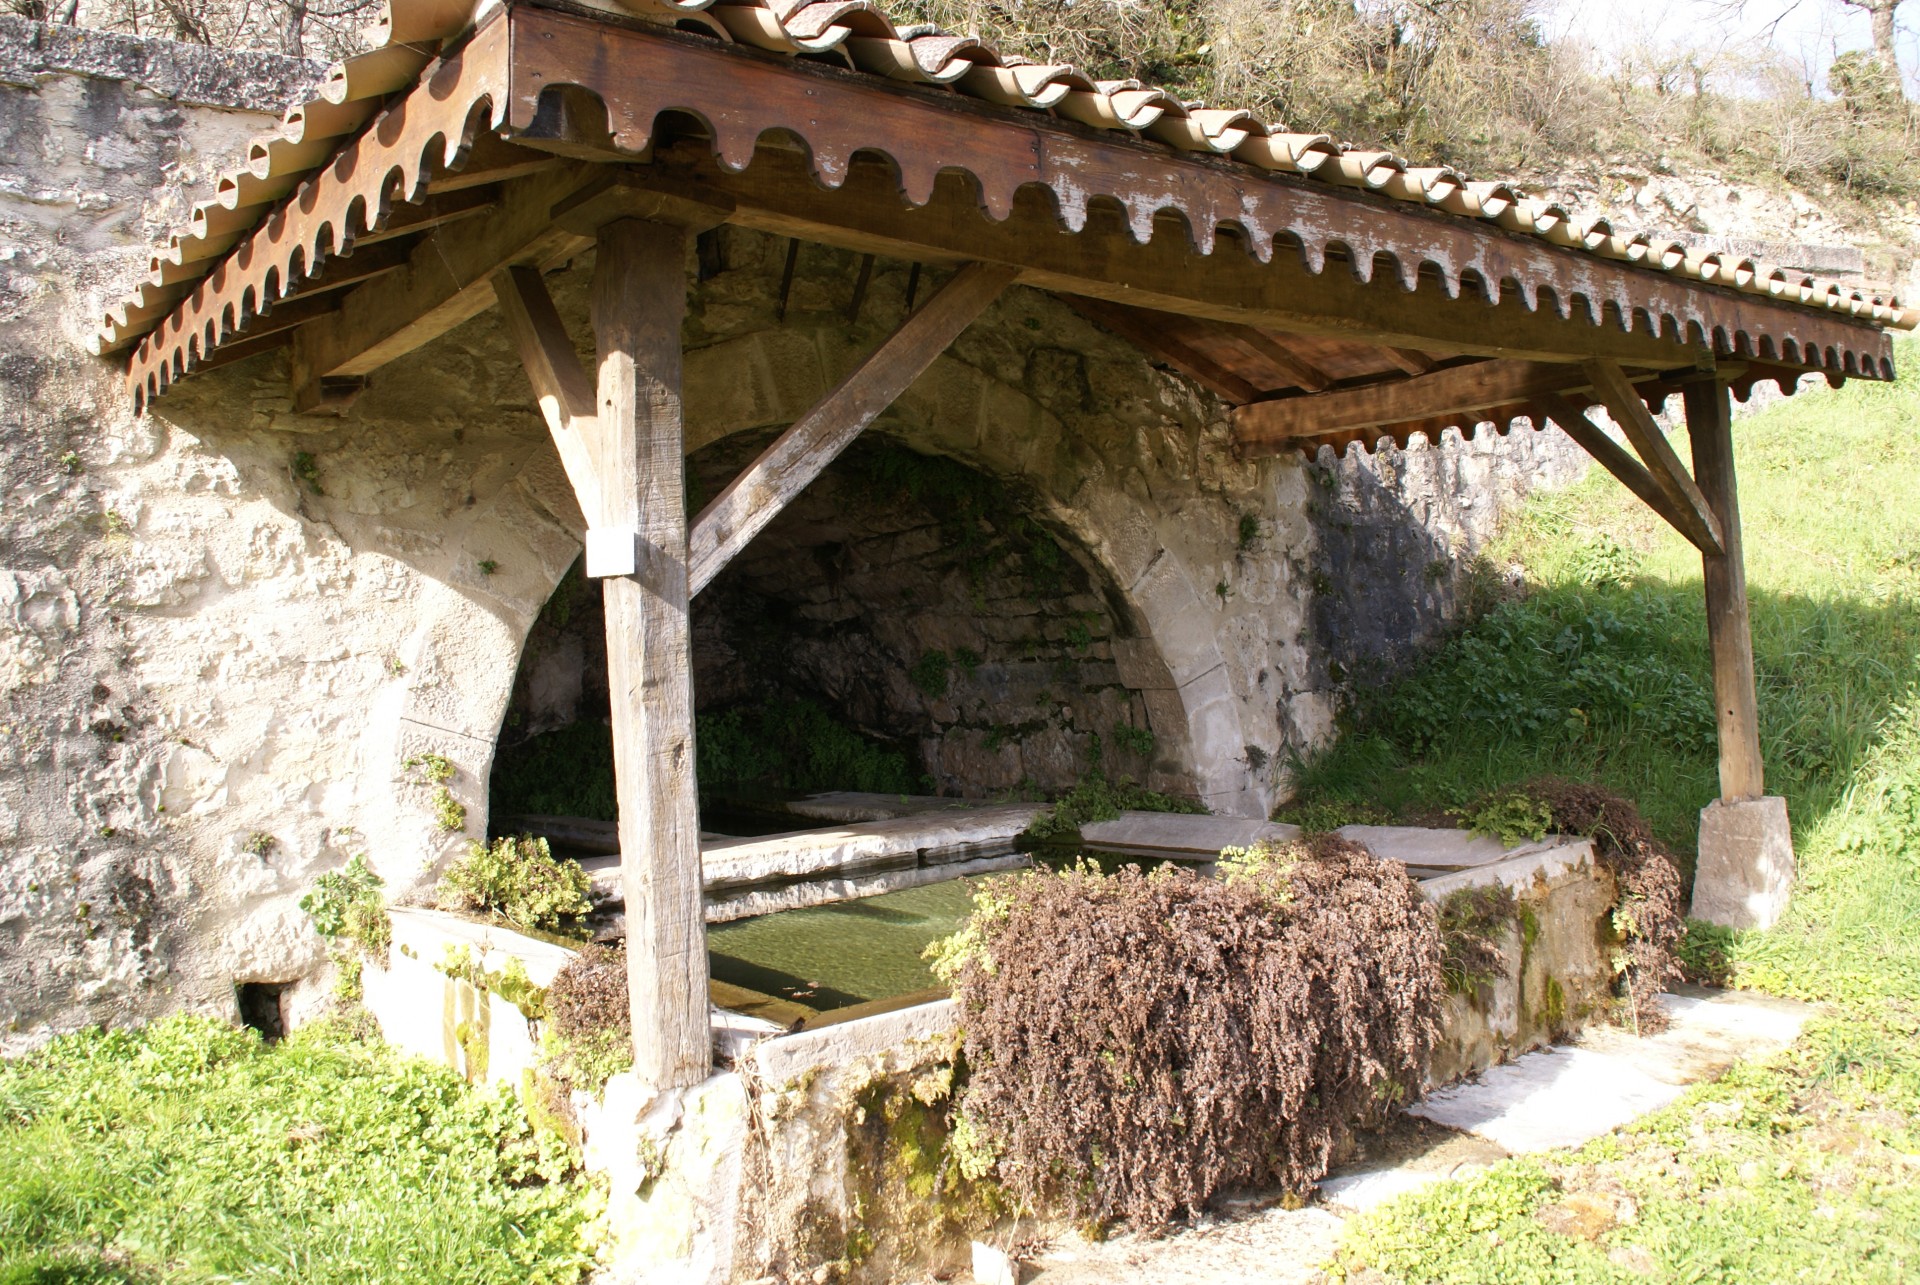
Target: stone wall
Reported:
[(225, 629)]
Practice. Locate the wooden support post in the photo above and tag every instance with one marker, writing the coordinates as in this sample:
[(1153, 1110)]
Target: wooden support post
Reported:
[(1710, 424), (639, 300), (1615, 391)]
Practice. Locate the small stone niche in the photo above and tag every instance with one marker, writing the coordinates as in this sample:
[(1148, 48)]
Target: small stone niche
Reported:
[(263, 1006)]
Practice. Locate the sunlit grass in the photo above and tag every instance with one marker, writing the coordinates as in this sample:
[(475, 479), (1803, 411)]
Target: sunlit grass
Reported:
[(1807, 1168)]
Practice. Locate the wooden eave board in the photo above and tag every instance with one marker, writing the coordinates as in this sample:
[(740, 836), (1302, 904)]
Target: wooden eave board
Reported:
[(639, 73)]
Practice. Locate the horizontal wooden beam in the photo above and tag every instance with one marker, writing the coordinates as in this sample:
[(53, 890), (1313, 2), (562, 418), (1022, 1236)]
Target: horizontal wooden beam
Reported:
[(1298, 370), (797, 457), (1615, 392), (447, 279), (1632, 474), (1270, 427)]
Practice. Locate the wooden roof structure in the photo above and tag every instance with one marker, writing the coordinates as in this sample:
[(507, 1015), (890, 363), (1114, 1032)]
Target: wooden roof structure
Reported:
[(1330, 296)]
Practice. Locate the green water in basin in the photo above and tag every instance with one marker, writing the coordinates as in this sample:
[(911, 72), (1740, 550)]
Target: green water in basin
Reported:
[(851, 952), (856, 952)]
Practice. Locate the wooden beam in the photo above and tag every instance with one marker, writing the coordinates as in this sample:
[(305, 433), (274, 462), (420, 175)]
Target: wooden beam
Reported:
[(405, 220), (778, 194), (565, 391), (1270, 427), (447, 279), (1299, 370), (1619, 461), (787, 467), (1151, 339), (1729, 632), (1414, 363), (1615, 392), (639, 298)]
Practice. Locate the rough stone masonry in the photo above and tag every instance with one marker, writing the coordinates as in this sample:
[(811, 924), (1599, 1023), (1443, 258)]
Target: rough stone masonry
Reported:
[(226, 630)]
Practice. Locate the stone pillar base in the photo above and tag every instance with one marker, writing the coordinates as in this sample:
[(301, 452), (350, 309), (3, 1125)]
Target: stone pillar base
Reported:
[(1746, 863)]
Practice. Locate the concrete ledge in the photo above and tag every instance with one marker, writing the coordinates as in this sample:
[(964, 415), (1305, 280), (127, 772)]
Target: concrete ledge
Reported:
[(1746, 866)]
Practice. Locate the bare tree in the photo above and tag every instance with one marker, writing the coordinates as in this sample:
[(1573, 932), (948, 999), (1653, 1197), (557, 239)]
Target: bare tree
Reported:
[(1881, 13)]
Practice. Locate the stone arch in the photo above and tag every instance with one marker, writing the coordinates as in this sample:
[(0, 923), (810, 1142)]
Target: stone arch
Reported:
[(765, 378)]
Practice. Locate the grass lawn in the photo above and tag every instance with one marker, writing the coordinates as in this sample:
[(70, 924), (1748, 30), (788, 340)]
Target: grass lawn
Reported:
[(1807, 1167), (190, 1151)]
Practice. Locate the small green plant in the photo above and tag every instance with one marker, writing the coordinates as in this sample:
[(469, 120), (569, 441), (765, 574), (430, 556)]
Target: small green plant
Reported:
[(932, 673), (435, 769), (1325, 815), (488, 566), (1603, 562), (72, 463), (396, 666), (520, 880), (1133, 740), (260, 844), (449, 813), (306, 472), (1224, 590), (1096, 798), (966, 660), (510, 982), (1511, 816), (1472, 923), (348, 909), (1249, 531)]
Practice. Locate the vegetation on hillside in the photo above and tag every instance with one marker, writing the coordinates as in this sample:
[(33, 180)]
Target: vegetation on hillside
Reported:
[(1782, 1171), (191, 1151)]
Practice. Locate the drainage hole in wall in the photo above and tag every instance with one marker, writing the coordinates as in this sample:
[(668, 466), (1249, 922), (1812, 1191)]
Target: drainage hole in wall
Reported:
[(263, 1007)]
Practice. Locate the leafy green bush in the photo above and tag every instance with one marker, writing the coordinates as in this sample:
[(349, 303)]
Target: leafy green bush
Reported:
[(519, 879), (1096, 798), (797, 745), (1513, 817), (191, 1151), (589, 1037)]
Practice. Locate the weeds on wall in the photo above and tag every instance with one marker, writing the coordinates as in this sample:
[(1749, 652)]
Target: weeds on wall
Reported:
[(797, 745), (519, 879), (1096, 798), (1139, 1042), (1472, 922), (589, 1031), (1649, 919), (349, 910)]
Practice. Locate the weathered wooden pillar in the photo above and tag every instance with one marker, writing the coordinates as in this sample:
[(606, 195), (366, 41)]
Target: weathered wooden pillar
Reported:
[(1745, 869), (639, 300)]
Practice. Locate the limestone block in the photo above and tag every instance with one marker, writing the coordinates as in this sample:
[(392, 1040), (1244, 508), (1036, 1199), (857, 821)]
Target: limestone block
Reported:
[(1746, 863)]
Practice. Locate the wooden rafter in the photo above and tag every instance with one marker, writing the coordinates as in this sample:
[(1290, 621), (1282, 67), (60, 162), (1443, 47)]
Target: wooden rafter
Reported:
[(1297, 369), (797, 457), (447, 279), (1615, 392), (1154, 340)]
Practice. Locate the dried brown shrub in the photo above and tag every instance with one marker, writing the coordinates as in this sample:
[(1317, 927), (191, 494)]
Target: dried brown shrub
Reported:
[(1650, 915), (1138, 1042), (589, 995)]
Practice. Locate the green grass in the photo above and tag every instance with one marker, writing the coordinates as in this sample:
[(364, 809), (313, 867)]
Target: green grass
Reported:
[(190, 1151), (1807, 1167)]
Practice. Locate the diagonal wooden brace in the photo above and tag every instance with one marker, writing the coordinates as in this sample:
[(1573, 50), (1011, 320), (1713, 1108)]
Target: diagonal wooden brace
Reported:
[(1615, 391), (561, 384), (1620, 462), (786, 468)]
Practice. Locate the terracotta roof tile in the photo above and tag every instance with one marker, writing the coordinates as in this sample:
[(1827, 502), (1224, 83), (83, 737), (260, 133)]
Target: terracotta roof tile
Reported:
[(863, 36)]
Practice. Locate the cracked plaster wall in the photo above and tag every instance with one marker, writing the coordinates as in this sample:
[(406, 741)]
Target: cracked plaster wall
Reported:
[(224, 628)]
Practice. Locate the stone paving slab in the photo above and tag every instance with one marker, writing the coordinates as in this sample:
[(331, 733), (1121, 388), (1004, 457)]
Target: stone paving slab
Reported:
[(1557, 1097), (1180, 835)]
